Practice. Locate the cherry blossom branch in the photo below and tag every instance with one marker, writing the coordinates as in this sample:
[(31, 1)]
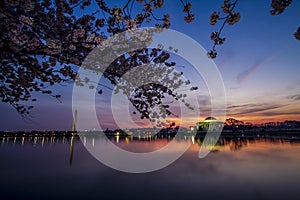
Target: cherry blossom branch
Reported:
[(231, 18)]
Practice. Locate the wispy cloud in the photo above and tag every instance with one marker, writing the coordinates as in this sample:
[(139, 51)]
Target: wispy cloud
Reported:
[(259, 63), (276, 113), (295, 97), (235, 87), (248, 109), (204, 100), (293, 85), (244, 74)]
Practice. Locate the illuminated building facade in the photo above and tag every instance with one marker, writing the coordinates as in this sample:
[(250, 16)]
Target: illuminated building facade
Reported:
[(209, 122)]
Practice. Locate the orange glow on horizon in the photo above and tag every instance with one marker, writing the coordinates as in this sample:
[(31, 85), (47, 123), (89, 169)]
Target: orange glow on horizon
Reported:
[(255, 119)]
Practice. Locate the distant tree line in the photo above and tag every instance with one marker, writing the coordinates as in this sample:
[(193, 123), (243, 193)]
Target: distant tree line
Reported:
[(238, 125)]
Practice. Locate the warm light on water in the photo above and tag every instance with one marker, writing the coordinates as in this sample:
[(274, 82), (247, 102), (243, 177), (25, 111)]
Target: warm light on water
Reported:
[(239, 168)]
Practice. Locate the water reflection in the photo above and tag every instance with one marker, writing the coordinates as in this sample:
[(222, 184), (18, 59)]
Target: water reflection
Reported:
[(36, 140), (71, 150), (234, 143), (237, 168), (147, 143)]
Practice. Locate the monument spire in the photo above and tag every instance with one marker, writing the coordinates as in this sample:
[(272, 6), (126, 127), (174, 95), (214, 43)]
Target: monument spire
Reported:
[(74, 122)]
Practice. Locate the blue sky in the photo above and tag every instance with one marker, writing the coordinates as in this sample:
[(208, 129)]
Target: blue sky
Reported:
[(259, 63)]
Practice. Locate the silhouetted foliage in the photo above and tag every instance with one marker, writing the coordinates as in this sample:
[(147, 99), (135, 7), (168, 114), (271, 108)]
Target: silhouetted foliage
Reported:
[(233, 124), (230, 17), (43, 42)]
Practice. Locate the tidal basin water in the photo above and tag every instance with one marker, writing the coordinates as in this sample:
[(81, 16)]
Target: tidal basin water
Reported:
[(62, 168)]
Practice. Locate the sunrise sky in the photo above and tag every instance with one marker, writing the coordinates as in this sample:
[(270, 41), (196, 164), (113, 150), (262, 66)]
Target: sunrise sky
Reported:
[(259, 64)]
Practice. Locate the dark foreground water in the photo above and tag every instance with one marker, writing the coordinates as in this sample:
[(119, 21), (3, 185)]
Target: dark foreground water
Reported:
[(41, 168)]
